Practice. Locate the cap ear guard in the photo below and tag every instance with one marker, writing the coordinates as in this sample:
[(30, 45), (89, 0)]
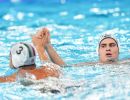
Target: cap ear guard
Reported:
[(22, 54)]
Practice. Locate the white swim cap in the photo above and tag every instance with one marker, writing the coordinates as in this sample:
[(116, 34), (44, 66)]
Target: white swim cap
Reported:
[(105, 36), (22, 54), (108, 36)]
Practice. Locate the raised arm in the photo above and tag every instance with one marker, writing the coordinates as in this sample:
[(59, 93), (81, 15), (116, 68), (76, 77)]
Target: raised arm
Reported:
[(46, 44), (39, 40), (54, 55)]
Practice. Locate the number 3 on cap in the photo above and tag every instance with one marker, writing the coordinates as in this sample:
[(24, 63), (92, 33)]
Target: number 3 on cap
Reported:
[(20, 49)]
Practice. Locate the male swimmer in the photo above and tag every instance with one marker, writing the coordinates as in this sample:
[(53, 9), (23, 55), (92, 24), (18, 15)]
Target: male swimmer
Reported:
[(22, 57), (108, 49)]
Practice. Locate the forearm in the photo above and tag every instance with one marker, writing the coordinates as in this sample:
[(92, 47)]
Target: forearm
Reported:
[(41, 53), (53, 55), (2, 79), (11, 78)]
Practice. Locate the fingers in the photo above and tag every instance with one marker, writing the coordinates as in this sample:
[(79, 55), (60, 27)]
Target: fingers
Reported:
[(42, 37), (39, 34), (42, 32), (45, 30), (45, 35)]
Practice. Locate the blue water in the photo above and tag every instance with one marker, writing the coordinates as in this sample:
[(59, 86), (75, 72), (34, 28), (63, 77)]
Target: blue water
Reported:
[(76, 26)]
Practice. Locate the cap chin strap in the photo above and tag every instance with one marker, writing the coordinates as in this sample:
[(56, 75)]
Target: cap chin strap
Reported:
[(27, 66)]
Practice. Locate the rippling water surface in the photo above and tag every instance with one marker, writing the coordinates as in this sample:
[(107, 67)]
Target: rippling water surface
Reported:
[(75, 28)]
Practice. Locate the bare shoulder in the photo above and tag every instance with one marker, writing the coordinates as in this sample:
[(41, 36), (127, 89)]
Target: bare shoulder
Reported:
[(125, 61), (48, 68), (48, 71)]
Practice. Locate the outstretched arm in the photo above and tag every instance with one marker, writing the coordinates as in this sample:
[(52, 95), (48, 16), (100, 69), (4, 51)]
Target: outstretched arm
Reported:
[(85, 64), (53, 55), (11, 78), (44, 35)]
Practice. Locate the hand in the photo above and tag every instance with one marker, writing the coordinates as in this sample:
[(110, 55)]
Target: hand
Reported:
[(42, 33), (42, 37), (37, 41)]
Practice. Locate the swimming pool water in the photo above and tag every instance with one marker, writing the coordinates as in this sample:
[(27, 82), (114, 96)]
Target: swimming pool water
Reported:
[(76, 26)]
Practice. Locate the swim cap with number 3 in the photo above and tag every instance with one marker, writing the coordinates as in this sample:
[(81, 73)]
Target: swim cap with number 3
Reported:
[(22, 54)]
